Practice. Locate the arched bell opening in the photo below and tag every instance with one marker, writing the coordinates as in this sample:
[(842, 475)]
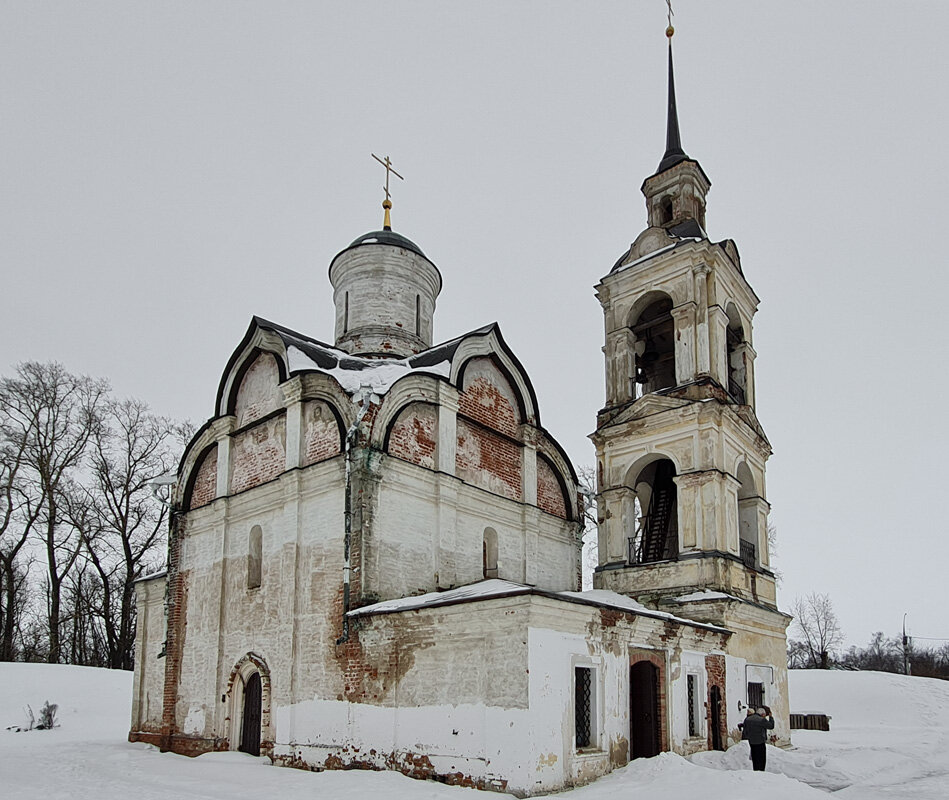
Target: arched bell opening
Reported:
[(652, 518), (654, 346), (735, 356), (748, 533)]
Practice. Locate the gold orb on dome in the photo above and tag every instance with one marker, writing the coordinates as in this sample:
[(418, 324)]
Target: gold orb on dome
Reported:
[(669, 31)]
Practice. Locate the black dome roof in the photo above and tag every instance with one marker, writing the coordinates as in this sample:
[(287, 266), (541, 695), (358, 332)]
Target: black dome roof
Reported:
[(390, 238)]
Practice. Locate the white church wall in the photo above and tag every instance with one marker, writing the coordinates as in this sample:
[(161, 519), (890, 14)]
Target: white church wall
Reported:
[(418, 510), (149, 673), (690, 662)]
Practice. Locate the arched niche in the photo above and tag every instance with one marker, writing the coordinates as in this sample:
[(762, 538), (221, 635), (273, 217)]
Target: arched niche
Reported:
[(489, 553)]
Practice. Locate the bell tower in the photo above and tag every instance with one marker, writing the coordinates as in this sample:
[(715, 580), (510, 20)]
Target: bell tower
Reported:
[(683, 515)]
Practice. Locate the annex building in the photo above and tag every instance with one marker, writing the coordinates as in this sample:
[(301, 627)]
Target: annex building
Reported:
[(374, 551)]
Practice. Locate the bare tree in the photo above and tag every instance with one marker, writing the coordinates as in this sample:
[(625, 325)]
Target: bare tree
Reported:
[(816, 622), (16, 518), (122, 525), (586, 477), (51, 415)]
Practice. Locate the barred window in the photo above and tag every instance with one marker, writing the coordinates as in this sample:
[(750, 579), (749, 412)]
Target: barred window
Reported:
[(583, 706), (756, 695), (692, 681)]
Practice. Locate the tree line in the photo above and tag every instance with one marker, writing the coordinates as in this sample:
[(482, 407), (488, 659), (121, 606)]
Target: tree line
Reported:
[(78, 522), (817, 643)]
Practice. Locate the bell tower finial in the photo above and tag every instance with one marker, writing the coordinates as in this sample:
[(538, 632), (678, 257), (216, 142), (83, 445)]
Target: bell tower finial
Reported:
[(387, 203), (675, 193), (674, 152)]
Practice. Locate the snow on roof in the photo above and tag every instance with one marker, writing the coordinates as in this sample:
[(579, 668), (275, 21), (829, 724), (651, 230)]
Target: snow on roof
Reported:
[(151, 575), (473, 591), (493, 588), (604, 597), (353, 373), (704, 594)]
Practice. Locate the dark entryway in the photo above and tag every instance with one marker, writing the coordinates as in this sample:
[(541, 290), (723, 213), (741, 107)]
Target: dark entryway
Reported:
[(250, 721), (715, 703), (644, 732)]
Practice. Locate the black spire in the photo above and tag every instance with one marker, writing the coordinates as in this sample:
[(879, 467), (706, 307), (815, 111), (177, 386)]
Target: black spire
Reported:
[(674, 152)]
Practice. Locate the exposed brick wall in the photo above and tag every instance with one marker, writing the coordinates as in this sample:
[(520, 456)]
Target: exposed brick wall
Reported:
[(488, 398), (658, 658), (258, 394), (175, 636), (549, 491), (485, 459), (321, 437), (258, 454), (204, 488), (715, 670), (414, 434)]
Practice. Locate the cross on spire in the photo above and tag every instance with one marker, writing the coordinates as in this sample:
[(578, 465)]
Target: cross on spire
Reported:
[(387, 203)]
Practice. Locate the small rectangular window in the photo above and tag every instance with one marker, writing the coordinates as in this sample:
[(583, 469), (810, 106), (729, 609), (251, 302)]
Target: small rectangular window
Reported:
[(583, 707), (695, 705), (755, 695)]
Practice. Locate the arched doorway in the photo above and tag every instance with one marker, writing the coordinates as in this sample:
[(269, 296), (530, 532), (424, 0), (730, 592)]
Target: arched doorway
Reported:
[(250, 718), (644, 720), (248, 696)]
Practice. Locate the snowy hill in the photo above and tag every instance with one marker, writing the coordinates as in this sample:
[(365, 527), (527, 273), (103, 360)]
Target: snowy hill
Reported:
[(889, 739)]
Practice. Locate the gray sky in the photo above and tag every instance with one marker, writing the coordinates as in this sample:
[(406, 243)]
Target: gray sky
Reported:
[(167, 170)]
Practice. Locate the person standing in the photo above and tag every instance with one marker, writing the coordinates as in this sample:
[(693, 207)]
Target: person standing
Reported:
[(755, 730)]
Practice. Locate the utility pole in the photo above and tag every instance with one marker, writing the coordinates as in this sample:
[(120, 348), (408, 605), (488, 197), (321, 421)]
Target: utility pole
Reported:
[(905, 649)]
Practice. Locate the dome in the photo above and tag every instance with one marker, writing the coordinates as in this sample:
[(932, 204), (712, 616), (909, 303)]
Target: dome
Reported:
[(387, 237)]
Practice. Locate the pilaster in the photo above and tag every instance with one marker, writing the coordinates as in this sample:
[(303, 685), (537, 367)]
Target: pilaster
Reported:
[(684, 320), (703, 354), (445, 448), (293, 399)]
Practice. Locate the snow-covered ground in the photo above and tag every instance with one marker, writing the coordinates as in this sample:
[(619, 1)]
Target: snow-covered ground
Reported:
[(889, 739)]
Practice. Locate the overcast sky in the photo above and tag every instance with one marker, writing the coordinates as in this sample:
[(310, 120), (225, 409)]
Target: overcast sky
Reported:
[(168, 170)]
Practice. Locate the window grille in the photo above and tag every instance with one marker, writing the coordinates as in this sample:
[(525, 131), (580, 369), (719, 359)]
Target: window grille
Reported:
[(756, 695), (692, 681), (583, 706)]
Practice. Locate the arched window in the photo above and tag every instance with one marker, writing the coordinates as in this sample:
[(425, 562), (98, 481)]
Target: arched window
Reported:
[(489, 553), (735, 355), (748, 538), (254, 557), (653, 518), (655, 347), (665, 210)]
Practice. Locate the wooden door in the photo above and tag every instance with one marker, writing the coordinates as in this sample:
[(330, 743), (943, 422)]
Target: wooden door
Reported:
[(715, 702), (644, 730), (250, 721)]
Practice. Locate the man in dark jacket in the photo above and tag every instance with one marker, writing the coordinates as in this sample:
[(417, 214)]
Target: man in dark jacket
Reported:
[(755, 730)]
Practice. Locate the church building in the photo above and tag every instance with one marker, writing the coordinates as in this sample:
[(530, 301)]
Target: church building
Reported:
[(374, 546)]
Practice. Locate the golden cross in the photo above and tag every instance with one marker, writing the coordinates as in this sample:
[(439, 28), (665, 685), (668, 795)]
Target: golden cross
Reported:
[(388, 165)]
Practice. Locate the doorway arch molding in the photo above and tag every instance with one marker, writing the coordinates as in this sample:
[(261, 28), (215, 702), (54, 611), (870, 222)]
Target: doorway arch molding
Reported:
[(249, 664)]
